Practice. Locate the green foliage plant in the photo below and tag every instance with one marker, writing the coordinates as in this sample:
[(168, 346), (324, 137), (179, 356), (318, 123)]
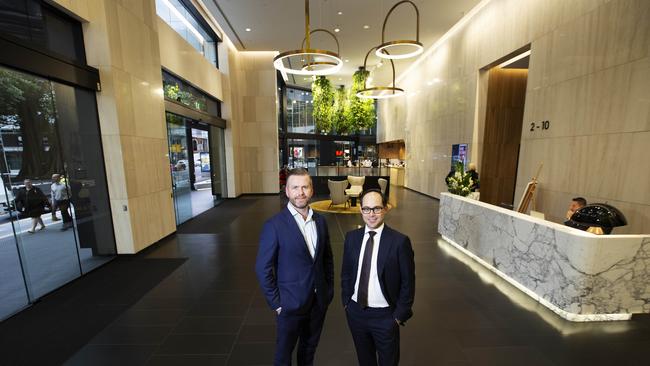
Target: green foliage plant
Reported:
[(360, 113), (323, 104), (339, 125)]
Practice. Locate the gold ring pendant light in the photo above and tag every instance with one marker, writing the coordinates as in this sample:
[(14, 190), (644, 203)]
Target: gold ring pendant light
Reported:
[(379, 92), (307, 60), (321, 65), (394, 47)]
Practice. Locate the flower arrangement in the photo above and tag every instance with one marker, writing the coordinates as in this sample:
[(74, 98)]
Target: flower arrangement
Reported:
[(460, 182)]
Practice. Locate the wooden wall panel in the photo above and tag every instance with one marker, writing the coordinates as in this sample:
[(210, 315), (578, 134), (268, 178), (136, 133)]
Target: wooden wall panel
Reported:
[(502, 135), (392, 150)]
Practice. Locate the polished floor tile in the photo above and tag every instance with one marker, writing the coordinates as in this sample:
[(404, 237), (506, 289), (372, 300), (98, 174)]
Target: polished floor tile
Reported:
[(210, 310)]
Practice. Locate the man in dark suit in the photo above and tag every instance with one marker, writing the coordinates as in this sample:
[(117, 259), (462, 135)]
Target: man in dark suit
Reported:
[(295, 269), (378, 284)]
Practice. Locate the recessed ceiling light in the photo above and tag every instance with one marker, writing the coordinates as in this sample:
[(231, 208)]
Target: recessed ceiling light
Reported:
[(366, 26), (346, 60), (340, 13), (336, 30), (248, 29)]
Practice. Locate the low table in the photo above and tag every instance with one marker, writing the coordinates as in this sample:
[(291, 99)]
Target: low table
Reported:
[(353, 193)]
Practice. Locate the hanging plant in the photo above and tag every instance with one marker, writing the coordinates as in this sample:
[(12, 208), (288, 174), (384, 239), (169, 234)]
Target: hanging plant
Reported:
[(323, 104), (339, 125), (360, 113)]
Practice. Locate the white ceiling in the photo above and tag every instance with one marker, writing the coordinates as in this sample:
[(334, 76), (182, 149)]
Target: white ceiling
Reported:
[(279, 25)]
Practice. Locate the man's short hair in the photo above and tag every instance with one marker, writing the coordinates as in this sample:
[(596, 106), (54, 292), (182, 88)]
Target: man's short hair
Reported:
[(297, 171), (364, 193), (581, 201)]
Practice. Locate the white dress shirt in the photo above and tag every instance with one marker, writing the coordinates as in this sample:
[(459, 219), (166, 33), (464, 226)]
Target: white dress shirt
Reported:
[(376, 298), (307, 228), (59, 191)]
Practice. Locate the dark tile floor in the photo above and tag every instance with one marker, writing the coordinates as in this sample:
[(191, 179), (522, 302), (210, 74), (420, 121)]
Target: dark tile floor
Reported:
[(210, 312)]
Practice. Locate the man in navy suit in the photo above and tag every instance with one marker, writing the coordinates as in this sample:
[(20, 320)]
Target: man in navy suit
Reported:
[(295, 268), (377, 283)]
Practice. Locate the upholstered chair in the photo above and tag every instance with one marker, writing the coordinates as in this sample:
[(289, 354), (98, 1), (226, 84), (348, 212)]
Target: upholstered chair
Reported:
[(356, 182), (382, 185), (337, 191)]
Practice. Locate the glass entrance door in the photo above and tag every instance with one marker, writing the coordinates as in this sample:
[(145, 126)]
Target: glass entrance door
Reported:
[(179, 162), (217, 146), (55, 221)]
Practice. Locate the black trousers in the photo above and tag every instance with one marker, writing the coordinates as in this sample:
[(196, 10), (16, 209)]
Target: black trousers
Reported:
[(375, 333), (304, 329), (64, 206)]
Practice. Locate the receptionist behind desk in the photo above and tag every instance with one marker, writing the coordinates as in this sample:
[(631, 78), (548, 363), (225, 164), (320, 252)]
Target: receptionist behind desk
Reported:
[(576, 204)]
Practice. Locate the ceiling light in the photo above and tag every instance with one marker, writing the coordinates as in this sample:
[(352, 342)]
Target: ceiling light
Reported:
[(415, 46), (346, 60), (340, 13), (248, 29), (337, 30), (318, 62), (378, 92), (366, 26)]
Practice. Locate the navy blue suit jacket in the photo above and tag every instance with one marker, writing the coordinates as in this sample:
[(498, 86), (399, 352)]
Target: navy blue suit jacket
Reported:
[(395, 269), (286, 271)]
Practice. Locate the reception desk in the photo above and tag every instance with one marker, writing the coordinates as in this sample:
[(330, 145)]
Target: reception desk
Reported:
[(397, 176), (578, 275)]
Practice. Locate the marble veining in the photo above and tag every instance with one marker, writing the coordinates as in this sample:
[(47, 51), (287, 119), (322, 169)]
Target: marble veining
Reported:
[(578, 275)]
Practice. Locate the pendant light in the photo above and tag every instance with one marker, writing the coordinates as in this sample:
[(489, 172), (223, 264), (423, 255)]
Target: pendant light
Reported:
[(379, 92), (309, 61), (394, 49), (326, 64)]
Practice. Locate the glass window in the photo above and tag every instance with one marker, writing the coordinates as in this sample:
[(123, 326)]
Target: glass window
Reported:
[(55, 207), (299, 111), (179, 165), (180, 91), (303, 154), (177, 16), (85, 174), (42, 26)]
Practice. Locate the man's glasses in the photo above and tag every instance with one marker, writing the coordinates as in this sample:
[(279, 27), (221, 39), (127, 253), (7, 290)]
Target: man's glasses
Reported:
[(376, 210)]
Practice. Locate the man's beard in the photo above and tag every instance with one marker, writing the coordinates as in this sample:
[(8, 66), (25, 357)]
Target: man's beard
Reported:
[(295, 203)]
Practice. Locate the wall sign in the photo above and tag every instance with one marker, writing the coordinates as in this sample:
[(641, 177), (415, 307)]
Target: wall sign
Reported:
[(543, 125)]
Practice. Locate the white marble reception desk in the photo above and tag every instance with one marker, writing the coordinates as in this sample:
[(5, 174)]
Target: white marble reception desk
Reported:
[(578, 275)]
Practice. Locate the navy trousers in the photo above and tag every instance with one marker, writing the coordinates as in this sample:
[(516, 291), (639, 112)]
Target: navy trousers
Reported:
[(375, 333), (304, 329)]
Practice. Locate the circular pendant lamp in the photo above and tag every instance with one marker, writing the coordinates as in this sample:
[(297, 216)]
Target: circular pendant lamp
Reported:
[(379, 92), (400, 49), (318, 62), (309, 61)]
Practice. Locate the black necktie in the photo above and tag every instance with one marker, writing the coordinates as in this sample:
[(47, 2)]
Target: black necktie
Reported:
[(364, 277)]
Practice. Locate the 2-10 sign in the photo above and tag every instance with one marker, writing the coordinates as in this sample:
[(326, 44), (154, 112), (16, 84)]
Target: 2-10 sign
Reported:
[(544, 125)]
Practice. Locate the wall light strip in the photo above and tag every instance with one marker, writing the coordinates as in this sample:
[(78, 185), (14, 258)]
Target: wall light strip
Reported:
[(455, 28), (184, 21), (514, 59), (554, 308)]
